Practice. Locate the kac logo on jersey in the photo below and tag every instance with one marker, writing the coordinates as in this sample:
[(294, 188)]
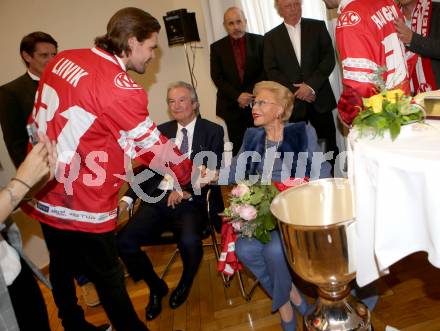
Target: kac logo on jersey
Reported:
[(349, 18), (122, 80)]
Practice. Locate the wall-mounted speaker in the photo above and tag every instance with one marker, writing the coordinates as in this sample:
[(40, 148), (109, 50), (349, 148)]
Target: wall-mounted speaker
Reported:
[(181, 27)]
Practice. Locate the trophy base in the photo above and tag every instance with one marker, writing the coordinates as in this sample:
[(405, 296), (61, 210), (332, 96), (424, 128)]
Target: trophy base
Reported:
[(347, 314)]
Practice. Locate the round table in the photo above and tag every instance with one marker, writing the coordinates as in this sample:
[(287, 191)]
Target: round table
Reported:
[(397, 197)]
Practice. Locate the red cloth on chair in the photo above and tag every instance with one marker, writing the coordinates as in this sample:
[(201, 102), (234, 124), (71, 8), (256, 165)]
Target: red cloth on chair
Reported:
[(228, 262), (290, 182)]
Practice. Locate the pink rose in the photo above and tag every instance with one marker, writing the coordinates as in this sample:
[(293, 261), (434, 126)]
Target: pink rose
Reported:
[(248, 212), (240, 190), (235, 209)]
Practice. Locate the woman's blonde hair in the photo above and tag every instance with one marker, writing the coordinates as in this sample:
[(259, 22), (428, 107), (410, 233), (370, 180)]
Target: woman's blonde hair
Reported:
[(282, 94)]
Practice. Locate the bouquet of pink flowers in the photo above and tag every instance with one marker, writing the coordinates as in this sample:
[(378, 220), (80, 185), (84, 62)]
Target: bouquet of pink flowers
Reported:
[(249, 210)]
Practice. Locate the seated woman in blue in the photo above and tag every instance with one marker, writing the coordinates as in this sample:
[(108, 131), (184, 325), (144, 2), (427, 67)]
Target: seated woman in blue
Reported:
[(295, 143)]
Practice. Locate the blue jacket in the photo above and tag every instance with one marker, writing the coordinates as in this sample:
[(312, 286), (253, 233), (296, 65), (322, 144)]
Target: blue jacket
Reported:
[(298, 145)]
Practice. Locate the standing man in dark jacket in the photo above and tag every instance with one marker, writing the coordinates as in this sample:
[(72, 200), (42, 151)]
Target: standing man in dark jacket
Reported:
[(299, 54), (17, 97), (422, 37), (236, 66)]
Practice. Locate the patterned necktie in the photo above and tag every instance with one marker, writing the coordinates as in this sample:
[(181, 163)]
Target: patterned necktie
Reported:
[(184, 144)]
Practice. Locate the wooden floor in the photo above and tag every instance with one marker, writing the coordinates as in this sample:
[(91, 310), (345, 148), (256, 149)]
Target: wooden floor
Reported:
[(410, 300)]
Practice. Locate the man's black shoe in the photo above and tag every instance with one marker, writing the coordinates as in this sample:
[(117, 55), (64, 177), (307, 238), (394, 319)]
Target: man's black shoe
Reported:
[(179, 295), (154, 307)]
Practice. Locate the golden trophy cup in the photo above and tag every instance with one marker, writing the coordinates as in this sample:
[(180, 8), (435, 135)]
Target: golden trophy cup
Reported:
[(317, 225)]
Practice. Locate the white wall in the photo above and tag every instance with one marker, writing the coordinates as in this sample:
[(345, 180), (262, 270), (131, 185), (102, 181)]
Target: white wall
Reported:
[(75, 24)]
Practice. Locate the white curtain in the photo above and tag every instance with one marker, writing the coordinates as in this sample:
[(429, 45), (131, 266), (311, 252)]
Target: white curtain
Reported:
[(262, 15), (213, 11)]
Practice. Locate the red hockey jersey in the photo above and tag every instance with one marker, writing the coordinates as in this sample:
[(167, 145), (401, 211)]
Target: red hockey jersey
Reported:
[(367, 40), (98, 116)]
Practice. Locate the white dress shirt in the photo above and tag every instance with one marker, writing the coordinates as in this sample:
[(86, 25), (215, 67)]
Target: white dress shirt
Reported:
[(167, 183), (33, 76), (295, 38)]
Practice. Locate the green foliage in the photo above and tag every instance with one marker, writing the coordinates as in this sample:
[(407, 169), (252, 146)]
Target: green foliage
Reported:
[(259, 197), (387, 111)]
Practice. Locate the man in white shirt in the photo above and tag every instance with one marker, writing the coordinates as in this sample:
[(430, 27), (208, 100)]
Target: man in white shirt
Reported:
[(165, 208), (299, 54)]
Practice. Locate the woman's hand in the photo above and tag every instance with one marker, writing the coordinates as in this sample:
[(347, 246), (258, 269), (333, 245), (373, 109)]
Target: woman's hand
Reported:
[(52, 154), (39, 163)]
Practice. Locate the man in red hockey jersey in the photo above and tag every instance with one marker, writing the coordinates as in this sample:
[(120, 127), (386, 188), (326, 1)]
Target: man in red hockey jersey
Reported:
[(99, 118), (366, 40)]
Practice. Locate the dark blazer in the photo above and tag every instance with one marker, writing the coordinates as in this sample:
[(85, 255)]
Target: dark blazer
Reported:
[(317, 62), (208, 136), (430, 46), (16, 104), (224, 72)]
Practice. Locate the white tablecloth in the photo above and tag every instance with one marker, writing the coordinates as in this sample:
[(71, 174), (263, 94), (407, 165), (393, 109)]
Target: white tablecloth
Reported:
[(397, 197)]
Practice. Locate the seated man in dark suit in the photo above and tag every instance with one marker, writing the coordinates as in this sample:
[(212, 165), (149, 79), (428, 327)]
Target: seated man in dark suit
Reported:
[(184, 213)]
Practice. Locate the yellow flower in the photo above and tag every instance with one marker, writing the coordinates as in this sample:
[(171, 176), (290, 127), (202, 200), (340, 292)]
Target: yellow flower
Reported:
[(394, 95), (374, 102)]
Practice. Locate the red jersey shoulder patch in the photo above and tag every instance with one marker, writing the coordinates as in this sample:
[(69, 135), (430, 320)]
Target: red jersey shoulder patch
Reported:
[(349, 18), (122, 80)]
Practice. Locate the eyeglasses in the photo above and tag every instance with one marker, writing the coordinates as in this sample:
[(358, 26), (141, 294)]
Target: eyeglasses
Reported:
[(259, 103)]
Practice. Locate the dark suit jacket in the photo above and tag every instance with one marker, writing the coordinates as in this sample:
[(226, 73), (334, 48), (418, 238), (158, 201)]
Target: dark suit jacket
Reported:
[(317, 63), (430, 46), (224, 72), (208, 136), (16, 104)]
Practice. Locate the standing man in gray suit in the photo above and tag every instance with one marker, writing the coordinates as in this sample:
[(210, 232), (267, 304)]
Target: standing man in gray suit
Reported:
[(236, 66), (17, 97), (299, 54)]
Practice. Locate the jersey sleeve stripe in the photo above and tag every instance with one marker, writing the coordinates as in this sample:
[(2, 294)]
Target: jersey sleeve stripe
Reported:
[(144, 136)]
